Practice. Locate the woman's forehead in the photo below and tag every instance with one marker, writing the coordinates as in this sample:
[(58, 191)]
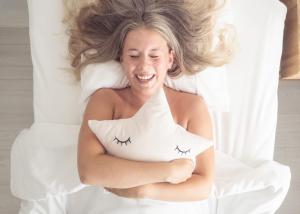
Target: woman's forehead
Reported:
[(144, 38)]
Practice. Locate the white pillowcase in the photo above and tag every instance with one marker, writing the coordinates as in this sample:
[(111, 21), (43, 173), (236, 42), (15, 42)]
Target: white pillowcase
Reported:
[(211, 83), (150, 135)]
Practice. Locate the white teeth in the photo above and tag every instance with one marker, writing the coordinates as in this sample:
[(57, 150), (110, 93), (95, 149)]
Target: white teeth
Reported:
[(145, 77)]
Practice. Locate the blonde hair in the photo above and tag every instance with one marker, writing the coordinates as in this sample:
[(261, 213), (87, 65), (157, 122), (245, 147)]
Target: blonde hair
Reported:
[(97, 30)]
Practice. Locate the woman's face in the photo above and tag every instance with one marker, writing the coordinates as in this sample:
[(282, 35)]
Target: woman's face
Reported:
[(145, 60)]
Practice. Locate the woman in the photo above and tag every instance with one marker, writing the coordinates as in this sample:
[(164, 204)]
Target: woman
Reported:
[(151, 39)]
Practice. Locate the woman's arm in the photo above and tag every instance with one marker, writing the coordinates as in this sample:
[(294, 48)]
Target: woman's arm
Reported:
[(198, 187)]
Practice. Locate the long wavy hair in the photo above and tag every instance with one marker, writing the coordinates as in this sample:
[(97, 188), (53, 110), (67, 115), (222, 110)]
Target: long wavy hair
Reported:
[(97, 30)]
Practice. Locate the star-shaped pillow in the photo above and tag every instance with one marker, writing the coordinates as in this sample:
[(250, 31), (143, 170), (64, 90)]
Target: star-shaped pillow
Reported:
[(150, 135)]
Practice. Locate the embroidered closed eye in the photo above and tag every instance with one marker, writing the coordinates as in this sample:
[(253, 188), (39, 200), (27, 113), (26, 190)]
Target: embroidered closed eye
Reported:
[(181, 151), (122, 142)]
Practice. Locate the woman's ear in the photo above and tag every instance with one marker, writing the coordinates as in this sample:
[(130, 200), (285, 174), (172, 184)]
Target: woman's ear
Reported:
[(171, 58)]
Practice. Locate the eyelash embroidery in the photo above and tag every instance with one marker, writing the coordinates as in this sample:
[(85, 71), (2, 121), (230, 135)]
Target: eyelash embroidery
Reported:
[(122, 142), (182, 152)]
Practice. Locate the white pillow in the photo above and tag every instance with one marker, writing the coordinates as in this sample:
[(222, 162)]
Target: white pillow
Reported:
[(211, 83), (150, 135)]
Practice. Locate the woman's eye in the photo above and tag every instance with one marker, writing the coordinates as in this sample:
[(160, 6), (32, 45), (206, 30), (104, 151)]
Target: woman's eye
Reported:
[(121, 141), (134, 56), (154, 57), (182, 152)]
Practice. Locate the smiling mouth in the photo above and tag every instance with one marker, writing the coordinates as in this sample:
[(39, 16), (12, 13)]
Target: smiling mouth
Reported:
[(145, 78)]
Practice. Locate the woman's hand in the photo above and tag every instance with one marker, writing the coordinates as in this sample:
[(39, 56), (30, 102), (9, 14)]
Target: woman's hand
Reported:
[(134, 192), (181, 170)]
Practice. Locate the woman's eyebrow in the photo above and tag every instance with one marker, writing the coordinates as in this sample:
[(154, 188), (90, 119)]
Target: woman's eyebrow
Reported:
[(132, 49), (155, 49)]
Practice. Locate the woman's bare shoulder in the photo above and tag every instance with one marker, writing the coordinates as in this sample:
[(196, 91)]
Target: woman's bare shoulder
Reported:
[(193, 102), (186, 100), (195, 110), (199, 116), (110, 94), (103, 93), (101, 104)]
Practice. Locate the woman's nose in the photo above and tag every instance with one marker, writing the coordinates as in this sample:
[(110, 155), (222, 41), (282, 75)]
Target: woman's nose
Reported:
[(143, 62)]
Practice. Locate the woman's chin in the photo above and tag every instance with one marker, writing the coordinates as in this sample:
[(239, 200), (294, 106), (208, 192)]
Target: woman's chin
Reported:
[(146, 87)]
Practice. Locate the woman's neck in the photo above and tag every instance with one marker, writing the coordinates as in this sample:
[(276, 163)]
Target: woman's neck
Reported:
[(137, 99)]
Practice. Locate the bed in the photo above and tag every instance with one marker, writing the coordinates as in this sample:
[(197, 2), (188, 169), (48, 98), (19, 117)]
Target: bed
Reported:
[(248, 180)]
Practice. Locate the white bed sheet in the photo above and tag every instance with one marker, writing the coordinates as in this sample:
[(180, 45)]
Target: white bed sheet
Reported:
[(247, 132)]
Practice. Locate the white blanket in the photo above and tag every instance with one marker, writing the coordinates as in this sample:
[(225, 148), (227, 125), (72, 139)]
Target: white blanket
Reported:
[(44, 165)]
